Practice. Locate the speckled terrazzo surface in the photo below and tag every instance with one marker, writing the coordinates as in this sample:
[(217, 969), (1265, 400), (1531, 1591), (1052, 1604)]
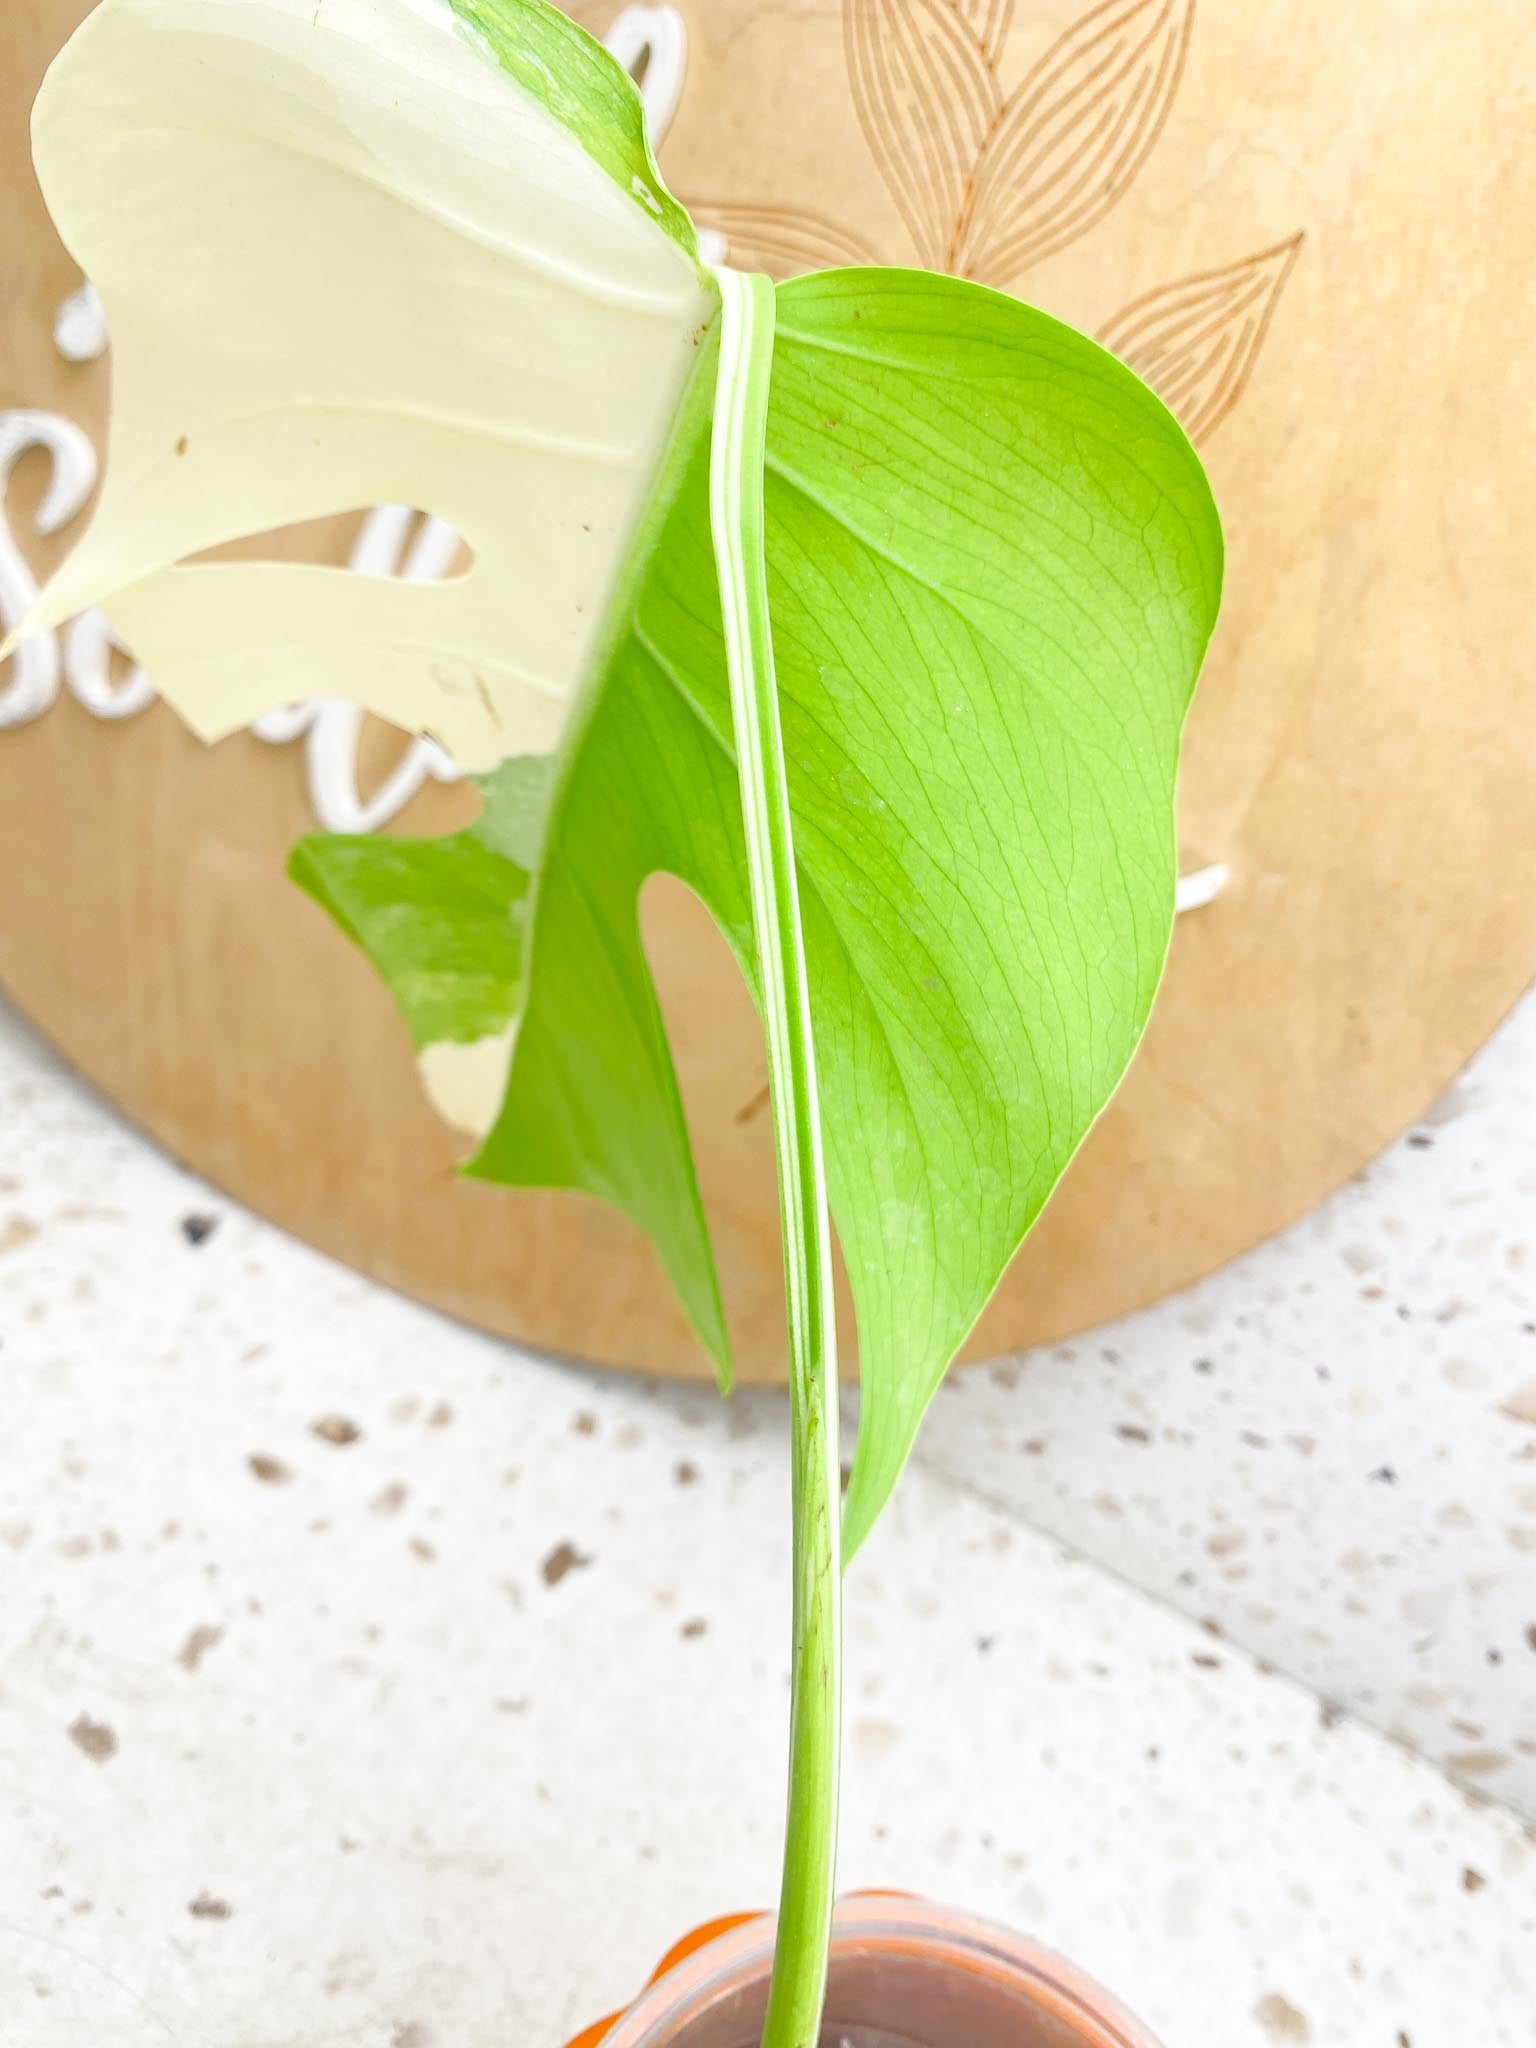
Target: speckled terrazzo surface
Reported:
[(364, 1683), (1329, 1449)]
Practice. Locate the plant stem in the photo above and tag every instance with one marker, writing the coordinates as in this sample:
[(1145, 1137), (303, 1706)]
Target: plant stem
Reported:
[(799, 1985)]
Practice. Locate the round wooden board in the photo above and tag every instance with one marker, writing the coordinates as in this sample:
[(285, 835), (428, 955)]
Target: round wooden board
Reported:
[(1311, 223)]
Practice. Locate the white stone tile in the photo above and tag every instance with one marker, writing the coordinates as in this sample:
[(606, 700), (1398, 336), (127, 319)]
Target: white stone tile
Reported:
[(348, 1770), (1329, 1448)]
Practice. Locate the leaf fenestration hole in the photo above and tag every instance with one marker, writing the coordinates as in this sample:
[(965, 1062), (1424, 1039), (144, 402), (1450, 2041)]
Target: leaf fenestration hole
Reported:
[(390, 541)]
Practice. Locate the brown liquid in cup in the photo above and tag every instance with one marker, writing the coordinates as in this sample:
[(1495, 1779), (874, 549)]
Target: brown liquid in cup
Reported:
[(890, 2001)]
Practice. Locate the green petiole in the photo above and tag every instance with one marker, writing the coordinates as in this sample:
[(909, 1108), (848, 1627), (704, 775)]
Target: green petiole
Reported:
[(798, 1990)]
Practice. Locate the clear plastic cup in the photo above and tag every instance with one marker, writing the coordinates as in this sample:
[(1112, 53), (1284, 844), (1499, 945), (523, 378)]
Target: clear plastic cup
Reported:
[(904, 1975)]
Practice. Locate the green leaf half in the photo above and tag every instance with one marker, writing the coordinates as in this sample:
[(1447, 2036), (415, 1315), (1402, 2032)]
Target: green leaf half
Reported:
[(994, 565)]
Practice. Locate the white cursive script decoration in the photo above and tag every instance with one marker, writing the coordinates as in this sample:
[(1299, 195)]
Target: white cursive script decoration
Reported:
[(35, 667)]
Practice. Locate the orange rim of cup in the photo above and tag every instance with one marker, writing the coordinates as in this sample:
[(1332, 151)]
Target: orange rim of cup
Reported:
[(701, 1937)]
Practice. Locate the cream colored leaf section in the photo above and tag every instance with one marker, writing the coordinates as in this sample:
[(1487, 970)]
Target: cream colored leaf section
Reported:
[(345, 261), (466, 1084), (1196, 342), (1072, 139)]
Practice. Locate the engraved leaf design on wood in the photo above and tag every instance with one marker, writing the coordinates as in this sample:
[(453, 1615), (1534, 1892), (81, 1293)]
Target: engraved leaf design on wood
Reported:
[(989, 22), (1073, 137), (782, 240), (927, 96), (1196, 341)]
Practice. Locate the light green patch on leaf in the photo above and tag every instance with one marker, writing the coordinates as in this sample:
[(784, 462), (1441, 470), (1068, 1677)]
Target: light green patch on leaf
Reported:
[(994, 565), (441, 920), (517, 799), (591, 96)]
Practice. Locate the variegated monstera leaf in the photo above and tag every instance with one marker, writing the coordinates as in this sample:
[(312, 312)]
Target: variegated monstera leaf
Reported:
[(368, 250)]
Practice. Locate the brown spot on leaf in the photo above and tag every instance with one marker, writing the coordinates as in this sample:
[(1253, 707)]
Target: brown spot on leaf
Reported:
[(335, 1429), (93, 1739), (271, 1471), (564, 1559), (198, 1644)]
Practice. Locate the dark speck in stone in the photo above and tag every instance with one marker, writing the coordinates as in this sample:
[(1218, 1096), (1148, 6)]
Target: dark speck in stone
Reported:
[(564, 1559), (93, 1739), (692, 1630), (1132, 1433), (204, 1907), (685, 1472), (197, 1229), (335, 1429), (271, 1471), (1472, 1880), (198, 1644), (1421, 1141), (1385, 1475), (1206, 1365)]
